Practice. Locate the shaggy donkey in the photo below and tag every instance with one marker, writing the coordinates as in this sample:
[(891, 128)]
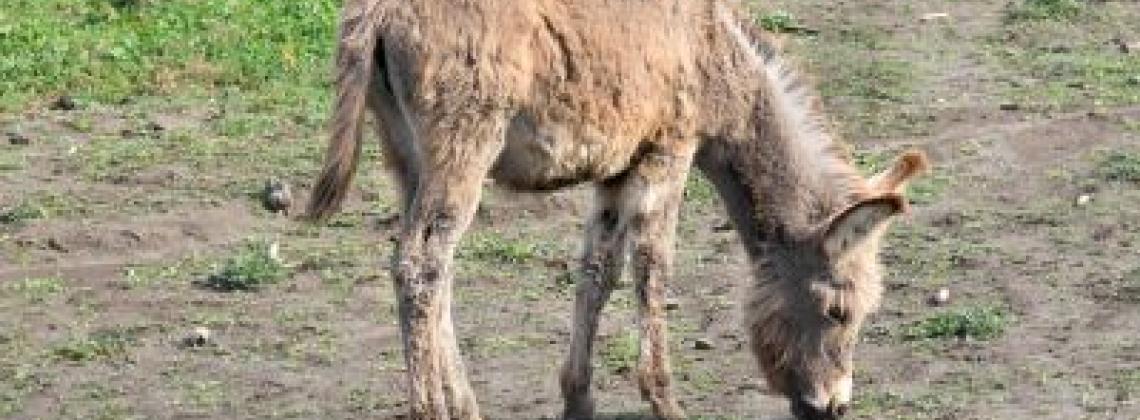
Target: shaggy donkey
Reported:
[(627, 95)]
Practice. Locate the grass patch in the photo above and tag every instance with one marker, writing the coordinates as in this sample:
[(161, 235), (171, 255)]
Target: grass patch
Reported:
[(1043, 10), (101, 345), (251, 268), (1120, 166), (619, 354), (38, 289), (979, 323), (39, 206), (699, 190), (492, 247), (108, 50), (1061, 54)]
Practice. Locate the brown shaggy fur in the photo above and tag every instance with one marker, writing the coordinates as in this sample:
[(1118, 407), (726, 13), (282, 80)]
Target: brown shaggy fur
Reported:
[(627, 95)]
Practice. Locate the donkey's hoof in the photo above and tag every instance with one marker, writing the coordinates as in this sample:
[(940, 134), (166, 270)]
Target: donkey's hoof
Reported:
[(583, 410)]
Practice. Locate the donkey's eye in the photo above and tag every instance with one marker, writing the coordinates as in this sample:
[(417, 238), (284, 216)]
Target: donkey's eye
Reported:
[(837, 314)]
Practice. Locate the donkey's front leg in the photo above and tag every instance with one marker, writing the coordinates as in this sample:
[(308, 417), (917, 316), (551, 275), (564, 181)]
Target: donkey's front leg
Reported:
[(602, 264), (651, 232), (446, 197)]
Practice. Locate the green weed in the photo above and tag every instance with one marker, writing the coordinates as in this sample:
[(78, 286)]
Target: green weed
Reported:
[(1044, 10), (620, 352), (778, 21), (980, 323), (1120, 166), (492, 247), (699, 190), (251, 268), (108, 344), (37, 289)]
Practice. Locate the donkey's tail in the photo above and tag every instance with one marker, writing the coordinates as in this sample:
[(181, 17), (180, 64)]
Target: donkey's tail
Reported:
[(355, 67)]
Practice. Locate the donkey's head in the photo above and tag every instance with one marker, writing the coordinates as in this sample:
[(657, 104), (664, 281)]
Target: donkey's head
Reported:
[(814, 292)]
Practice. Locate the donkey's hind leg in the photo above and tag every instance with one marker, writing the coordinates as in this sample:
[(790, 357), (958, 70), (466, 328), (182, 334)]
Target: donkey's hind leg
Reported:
[(461, 153), (602, 265), (654, 193)]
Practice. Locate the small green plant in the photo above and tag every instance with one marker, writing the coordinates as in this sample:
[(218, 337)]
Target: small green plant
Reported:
[(492, 247), (620, 353), (37, 289), (778, 21), (99, 345), (21, 213), (1120, 166), (698, 190), (980, 323), (253, 267), (1044, 10)]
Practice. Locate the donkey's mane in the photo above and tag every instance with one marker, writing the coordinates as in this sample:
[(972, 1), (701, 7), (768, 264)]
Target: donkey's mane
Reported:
[(796, 127)]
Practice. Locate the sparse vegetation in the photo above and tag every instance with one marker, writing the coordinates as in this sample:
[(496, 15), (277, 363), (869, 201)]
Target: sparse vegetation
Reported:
[(251, 268), (620, 352), (1120, 166), (1044, 9), (979, 323), (494, 248)]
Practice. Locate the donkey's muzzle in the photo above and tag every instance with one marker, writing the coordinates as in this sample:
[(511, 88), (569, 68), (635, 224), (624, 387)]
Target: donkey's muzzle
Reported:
[(804, 410)]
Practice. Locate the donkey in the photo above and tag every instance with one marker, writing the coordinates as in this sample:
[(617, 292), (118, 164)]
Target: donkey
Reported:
[(627, 95)]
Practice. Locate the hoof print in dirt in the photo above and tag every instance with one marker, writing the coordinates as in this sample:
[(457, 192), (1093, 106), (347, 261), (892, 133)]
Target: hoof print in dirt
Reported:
[(277, 197)]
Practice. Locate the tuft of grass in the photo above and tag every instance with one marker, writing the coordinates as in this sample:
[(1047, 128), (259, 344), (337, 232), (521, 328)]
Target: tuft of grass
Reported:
[(40, 205), (37, 289), (1028, 10), (109, 344), (620, 353), (780, 21), (699, 190), (250, 269), (491, 247), (979, 323), (1120, 166)]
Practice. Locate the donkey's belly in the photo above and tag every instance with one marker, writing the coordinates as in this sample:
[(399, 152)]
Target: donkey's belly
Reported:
[(550, 155)]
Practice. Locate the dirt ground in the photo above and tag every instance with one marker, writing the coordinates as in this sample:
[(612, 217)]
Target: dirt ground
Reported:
[(114, 217)]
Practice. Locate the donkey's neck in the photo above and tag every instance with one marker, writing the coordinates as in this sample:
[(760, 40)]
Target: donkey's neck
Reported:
[(781, 174)]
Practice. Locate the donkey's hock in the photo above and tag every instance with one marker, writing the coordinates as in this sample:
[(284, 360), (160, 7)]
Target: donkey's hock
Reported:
[(627, 96)]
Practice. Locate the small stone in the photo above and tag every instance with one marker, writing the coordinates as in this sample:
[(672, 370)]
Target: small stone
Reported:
[(275, 252), (702, 344), (16, 138), (672, 304), (199, 337), (929, 17), (1009, 107), (1083, 200), (277, 196), (941, 297), (64, 103), (72, 150)]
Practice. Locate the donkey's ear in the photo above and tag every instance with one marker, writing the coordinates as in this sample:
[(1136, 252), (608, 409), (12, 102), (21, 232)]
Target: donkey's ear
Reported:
[(894, 179), (861, 222)]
